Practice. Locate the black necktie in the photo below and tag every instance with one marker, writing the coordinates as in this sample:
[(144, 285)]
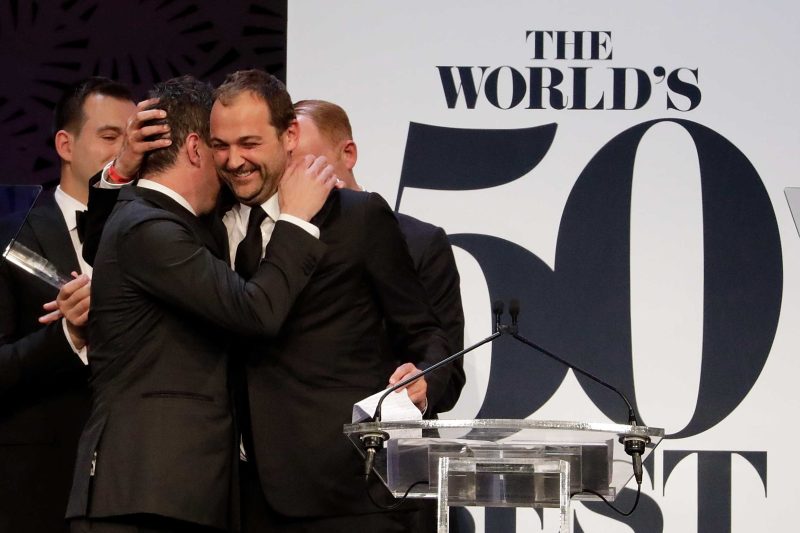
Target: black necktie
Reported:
[(248, 254), (80, 224), (248, 257)]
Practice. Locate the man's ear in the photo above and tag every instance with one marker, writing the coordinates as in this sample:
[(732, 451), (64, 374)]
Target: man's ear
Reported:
[(63, 142), (349, 154), (290, 136), (191, 148)]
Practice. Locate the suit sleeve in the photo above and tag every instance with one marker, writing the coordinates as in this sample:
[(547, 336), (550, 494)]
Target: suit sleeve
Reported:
[(414, 331), (439, 276), (101, 203), (39, 355), (165, 259), (43, 353)]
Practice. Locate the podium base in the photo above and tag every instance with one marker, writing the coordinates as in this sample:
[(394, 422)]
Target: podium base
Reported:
[(503, 482)]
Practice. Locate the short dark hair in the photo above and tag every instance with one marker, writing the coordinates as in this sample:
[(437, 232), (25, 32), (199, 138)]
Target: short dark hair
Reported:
[(330, 119), (187, 102), (265, 86), (68, 114)]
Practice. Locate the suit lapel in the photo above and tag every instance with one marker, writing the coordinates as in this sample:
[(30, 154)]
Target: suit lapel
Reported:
[(203, 227), (215, 225), (50, 231)]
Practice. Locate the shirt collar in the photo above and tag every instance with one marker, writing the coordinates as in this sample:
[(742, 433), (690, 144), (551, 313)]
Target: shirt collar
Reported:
[(68, 205), (163, 189), (271, 207)]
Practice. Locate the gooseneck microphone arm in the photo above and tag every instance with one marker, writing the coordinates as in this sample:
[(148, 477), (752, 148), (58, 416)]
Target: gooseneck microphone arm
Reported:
[(634, 446), (632, 419), (497, 310), (377, 416), (373, 440)]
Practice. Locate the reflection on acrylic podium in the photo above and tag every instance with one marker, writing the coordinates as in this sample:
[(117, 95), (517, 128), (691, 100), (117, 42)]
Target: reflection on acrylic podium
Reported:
[(504, 463)]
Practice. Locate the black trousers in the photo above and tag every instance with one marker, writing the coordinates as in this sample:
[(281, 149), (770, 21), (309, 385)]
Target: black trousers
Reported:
[(139, 523), (259, 517)]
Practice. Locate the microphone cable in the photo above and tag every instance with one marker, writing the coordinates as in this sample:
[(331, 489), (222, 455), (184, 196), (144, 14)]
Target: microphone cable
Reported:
[(617, 510), (398, 503)]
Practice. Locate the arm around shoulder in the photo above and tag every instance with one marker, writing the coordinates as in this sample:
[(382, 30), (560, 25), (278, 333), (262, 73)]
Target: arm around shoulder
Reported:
[(164, 258)]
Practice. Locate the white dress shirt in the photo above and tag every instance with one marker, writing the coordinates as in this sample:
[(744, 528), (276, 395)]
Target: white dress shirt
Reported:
[(68, 206), (236, 219)]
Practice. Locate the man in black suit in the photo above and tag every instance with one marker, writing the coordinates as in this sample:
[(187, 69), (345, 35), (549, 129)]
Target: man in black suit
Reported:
[(302, 474), (159, 448), (44, 399), (325, 130)]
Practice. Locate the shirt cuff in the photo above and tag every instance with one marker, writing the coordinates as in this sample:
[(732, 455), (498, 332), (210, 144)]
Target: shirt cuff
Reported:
[(80, 353), (105, 179), (308, 226)]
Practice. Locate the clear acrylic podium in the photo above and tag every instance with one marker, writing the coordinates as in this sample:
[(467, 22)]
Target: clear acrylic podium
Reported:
[(504, 463)]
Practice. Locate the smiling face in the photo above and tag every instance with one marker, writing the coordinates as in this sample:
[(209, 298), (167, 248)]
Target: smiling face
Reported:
[(99, 138), (249, 153)]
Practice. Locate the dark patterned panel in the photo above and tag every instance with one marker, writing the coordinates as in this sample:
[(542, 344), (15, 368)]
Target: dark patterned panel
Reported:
[(46, 45)]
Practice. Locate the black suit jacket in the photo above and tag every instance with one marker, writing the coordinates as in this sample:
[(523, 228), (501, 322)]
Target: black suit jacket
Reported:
[(44, 398), (436, 267), (331, 353), (160, 438)]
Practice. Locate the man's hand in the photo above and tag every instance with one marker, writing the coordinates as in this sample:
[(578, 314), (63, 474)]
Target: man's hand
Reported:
[(145, 132), (305, 186), (72, 303), (417, 390)]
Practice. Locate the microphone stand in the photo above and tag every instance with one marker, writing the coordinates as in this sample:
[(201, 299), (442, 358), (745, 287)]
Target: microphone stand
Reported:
[(377, 416), (373, 440), (634, 445)]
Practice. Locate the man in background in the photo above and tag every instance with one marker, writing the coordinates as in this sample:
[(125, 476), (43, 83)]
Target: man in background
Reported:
[(44, 397), (325, 130)]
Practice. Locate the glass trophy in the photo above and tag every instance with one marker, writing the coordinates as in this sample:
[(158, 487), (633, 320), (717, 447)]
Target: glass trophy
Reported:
[(16, 203)]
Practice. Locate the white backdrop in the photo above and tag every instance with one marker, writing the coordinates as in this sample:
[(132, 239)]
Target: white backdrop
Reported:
[(734, 72)]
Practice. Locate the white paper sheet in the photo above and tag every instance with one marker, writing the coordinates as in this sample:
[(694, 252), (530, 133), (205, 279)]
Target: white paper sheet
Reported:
[(397, 406)]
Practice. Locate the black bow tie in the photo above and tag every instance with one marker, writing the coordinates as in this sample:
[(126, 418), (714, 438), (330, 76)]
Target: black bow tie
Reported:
[(80, 224)]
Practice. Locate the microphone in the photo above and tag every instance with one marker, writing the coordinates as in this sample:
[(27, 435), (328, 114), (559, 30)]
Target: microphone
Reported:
[(513, 310), (634, 446), (372, 441), (497, 311)]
